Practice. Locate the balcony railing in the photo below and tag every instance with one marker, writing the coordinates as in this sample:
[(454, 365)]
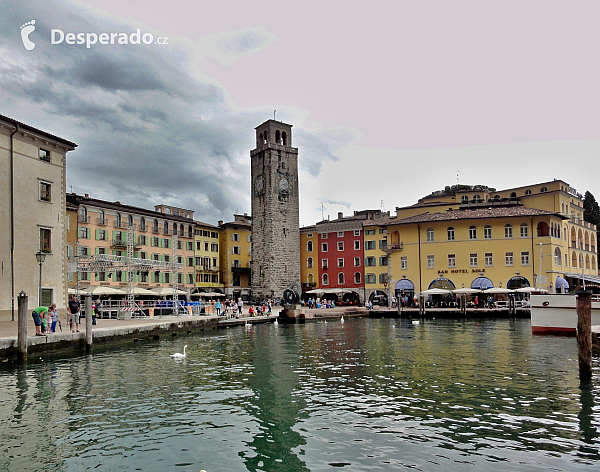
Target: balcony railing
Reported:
[(119, 243), (102, 221), (119, 224), (143, 228), (155, 230), (84, 219)]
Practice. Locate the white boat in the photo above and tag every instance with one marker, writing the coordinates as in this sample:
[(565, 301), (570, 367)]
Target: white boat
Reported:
[(555, 313)]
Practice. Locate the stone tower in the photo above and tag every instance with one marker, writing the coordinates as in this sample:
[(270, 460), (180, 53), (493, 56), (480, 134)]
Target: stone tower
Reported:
[(275, 211)]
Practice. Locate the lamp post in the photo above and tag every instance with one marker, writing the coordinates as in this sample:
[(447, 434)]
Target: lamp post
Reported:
[(40, 257)]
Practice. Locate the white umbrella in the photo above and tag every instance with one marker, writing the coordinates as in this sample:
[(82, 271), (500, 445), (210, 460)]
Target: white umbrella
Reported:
[(210, 294), (435, 291), (164, 291), (531, 290), (103, 290), (466, 290), (498, 290), (143, 291)]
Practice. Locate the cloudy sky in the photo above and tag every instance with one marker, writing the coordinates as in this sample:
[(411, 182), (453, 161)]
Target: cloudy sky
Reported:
[(389, 100)]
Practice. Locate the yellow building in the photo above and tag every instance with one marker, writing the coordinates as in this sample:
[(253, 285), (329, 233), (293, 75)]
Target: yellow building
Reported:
[(532, 235), (309, 263), (102, 229), (236, 256), (208, 265), (378, 274)]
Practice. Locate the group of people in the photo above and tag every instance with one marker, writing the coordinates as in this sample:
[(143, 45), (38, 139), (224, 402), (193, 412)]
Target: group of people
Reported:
[(233, 308), (45, 318), (318, 303)]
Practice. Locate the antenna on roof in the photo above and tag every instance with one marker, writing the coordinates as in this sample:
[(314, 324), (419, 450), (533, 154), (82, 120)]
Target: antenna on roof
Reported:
[(322, 213), (457, 172), (382, 207), (274, 115)]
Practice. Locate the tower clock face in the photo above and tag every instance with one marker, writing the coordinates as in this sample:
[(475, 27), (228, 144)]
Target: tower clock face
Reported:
[(284, 185), (259, 185)]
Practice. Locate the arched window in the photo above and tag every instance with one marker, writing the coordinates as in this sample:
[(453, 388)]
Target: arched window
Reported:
[(277, 137), (309, 246), (573, 259), (341, 278), (587, 241), (155, 226), (513, 194), (395, 239), (472, 232), (524, 230), (357, 278), (527, 192), (325, 279), (83, 214), (477, 199), (181, 230), (593, 243), (542, 229), (450, 232), (129, 221), (587, 261), (573, 237), (311, 279), (284, 138), (174, 228), (508, 231), (118, 220), (566, 260), (143, 223), (496, 197), (464, 199), (580, 239), (557, 256), (309, 262), (487, 232), (593, 262), (190, 232), (543, 189), (581, 261), (101, 217), (166, 228)]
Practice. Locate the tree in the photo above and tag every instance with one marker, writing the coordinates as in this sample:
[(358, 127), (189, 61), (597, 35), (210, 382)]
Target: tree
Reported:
[(591, 214)]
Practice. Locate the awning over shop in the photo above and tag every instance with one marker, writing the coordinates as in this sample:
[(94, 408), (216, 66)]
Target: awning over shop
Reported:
[(404, 285), (561, 283), (517, 282), (443, 283), (482, 283), (587, 278)]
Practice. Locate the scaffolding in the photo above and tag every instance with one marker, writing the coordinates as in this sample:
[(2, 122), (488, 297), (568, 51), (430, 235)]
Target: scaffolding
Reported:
[(107, 263)]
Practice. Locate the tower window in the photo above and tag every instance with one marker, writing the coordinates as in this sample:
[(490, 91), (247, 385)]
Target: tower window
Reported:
[(284, 138)]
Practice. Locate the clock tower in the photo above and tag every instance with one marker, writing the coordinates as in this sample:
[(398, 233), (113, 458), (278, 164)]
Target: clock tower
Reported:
[(275, 211)]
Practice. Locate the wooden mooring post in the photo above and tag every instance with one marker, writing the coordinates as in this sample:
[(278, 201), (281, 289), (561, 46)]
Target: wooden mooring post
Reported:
[(584, 333), (88, 322), (23, 302)]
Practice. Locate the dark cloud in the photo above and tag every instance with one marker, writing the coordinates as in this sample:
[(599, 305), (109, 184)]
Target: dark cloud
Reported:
[(148, 131)]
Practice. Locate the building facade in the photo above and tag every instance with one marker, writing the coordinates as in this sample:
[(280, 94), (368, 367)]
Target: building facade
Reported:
[(527, 236), (32, 216), (236, 256), (102, 228), (309, 258), (275, 211), (208, 262)]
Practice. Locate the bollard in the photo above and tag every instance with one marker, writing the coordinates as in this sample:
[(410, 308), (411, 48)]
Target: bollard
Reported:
[(23, 301), (584, 333), (88, 323)]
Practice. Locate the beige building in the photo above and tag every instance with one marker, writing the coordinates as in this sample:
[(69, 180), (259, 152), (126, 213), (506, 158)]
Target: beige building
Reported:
[(102, 229), (32, 215), (208, 264)]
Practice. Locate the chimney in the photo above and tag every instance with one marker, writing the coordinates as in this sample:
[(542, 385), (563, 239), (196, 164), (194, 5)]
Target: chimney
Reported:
[(340, 215), (87, 195), (220, 222), (245, 214)]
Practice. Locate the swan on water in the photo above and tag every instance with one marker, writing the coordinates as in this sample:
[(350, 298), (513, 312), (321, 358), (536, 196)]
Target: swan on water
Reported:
[(178, 355), (415, 322), (276, 322), (342, 319)]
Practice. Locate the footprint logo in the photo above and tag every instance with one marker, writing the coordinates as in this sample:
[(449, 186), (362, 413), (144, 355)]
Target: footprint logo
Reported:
[(26, 30)]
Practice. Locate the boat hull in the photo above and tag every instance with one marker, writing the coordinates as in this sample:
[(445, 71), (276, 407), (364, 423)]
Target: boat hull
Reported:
[(557, 314)]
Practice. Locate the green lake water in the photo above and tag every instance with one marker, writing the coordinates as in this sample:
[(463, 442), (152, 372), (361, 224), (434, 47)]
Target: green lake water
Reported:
[(364, 395)]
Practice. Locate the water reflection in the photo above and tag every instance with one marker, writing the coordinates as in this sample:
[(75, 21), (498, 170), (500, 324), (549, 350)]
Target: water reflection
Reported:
[(364, 395)]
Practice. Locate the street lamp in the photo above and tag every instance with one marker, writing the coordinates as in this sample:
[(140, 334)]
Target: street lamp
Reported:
[(40, 257)]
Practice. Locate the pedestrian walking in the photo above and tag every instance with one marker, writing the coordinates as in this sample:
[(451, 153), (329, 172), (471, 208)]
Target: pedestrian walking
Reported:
[(75, 310)]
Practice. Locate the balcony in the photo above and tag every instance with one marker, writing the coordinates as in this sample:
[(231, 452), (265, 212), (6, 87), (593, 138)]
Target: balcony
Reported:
[(143, 228), (389, 248), (155, 230), (241, 270), (83, 219), (118, 224), (102, 221), (120, 243)]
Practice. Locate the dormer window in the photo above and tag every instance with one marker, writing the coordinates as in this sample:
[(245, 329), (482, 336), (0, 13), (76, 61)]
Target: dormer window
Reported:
[(543, 189)]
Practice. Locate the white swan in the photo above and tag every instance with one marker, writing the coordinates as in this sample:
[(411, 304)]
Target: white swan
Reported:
[(415, 322), (178, 355), (275, 322), (342, 319)]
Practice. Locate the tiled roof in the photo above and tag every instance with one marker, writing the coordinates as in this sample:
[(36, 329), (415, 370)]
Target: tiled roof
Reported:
[(478, 213)]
